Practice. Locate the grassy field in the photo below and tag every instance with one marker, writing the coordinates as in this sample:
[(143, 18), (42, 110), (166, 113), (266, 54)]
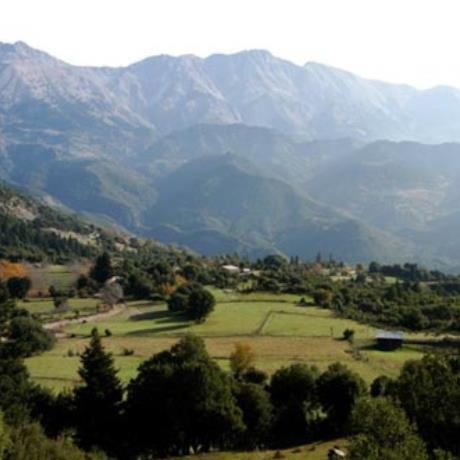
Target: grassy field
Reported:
[(62, 277), (279, 331), (46, 306), (315, 451), (59, 367), (313, 322)]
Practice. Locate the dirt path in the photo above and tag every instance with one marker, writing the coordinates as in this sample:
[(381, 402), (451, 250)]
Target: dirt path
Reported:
[(58, 326)]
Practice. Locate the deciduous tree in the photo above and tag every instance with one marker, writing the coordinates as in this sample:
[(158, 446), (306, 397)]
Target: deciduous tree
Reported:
[(338, 390), (429, 391), (18, 287), (241, 359), (186, 399), (257, 409), (294, 396), (383, 432)]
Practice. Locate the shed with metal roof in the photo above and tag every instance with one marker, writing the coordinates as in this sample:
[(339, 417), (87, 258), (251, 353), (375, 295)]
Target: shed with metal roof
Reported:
[(389, 340)]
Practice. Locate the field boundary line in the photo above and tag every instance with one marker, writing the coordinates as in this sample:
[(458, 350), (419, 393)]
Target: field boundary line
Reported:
[(258, 301), (304, 315), (264, 323)]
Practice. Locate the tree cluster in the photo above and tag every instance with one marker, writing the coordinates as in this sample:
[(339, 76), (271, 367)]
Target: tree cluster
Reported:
[(24, 240), (182, 402), (20, 333), (194, 301)]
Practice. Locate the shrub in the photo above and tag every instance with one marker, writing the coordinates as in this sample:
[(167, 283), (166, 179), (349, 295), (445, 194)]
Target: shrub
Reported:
[(348, 334), (60, 303)]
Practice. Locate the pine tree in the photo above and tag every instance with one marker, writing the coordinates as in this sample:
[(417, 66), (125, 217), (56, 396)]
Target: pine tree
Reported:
[(98, 400), (102, 269)]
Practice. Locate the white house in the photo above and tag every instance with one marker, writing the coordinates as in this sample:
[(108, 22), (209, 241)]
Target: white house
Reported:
[(231, 268)]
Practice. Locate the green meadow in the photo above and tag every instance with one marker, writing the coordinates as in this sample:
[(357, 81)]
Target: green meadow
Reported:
[(279, 331), (62, 277), (45, 306), (314, 451)]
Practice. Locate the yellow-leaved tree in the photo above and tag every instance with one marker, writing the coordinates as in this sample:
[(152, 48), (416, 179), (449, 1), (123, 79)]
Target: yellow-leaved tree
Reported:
[(241, 359)]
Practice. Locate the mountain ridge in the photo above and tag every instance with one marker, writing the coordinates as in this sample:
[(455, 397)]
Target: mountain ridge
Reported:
[(161, 94), (119, 145)]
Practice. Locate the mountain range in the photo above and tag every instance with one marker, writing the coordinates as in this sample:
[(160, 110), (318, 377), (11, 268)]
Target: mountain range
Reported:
[(244, 152)]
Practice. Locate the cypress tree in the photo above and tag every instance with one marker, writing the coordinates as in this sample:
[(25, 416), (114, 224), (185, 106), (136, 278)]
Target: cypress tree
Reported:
[(102, 269), (98, 400)]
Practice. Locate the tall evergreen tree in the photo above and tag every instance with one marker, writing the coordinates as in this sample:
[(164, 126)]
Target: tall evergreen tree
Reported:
[(14, 387), (98, 400), (102, 269), (14, 378)]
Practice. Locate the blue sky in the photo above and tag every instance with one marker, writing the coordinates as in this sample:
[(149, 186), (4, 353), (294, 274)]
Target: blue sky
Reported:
[(405, 41)]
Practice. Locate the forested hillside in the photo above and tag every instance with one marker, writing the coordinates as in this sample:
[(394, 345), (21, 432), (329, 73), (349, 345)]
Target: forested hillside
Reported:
[(137, 148), (32, 231)]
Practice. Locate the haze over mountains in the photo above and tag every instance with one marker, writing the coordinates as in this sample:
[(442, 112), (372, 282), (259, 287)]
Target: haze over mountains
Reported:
[(162, 94), (243, 152)]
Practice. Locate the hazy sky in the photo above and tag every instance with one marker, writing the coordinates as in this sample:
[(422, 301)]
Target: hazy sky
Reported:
[(408, 41)]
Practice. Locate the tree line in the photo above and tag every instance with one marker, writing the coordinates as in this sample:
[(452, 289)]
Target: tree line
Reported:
[(417, 299), (23, 240), (182, 402)]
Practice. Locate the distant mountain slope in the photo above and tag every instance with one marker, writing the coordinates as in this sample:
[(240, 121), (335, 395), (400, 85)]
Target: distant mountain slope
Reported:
[(92, 186), (393, 185), (410, 190), (72, 109), (275, 154), (113, 112), (33, 231), (314, 101), (30, 230), (221, 203), (184, 189)]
